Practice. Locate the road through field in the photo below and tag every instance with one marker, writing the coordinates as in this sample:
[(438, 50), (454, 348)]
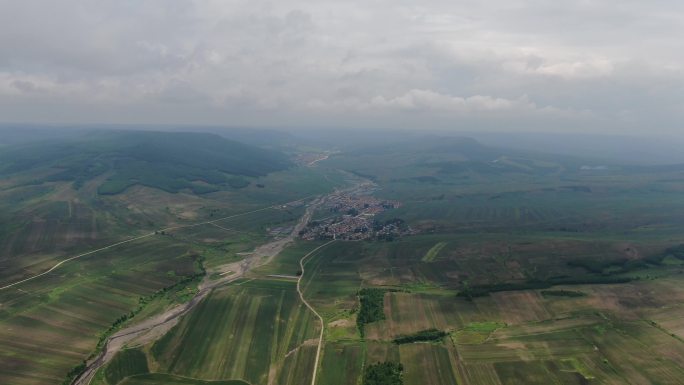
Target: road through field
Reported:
[(301, 296), (74, 257), (153, 328), (58, 264)]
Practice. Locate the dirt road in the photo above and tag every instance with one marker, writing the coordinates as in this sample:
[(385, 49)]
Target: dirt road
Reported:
[(301, 296), (58, 264), (153, 328)]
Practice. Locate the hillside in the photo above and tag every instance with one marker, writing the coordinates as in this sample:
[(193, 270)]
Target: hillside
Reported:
[(171, 162), (437, 159)]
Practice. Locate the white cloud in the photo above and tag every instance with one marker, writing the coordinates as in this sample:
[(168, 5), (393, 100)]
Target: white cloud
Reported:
[(310, 63), (427, 100)]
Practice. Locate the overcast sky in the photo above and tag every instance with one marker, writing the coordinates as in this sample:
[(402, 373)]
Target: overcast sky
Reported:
[(581, 66)]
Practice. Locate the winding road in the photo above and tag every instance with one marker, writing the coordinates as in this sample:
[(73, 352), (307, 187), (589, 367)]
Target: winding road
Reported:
[(58, 264), (153, 328), (301, 296)]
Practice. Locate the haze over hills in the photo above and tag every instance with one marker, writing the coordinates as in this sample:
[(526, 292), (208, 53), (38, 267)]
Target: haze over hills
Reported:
[(624, 149), (200, 162)]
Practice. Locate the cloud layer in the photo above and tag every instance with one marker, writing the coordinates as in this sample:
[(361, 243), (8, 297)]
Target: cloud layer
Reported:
[(511, 65)]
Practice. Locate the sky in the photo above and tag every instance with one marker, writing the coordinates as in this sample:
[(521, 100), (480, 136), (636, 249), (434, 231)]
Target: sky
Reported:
[(503, 65)]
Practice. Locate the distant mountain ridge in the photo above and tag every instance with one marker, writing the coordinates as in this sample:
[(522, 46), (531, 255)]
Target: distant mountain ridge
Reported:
[(171, 161)]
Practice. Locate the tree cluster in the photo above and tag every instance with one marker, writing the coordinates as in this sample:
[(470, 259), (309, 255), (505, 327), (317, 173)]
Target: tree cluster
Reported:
[(384, 373), (372, 307), (421, 336)]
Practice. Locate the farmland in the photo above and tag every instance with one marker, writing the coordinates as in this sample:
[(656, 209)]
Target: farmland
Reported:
[(167, 379), (513, 272), (262, 329), (521, 337), (538, 311), (51, 324)]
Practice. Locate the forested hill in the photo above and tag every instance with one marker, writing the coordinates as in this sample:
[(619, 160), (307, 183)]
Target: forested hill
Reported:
[(169, 161)]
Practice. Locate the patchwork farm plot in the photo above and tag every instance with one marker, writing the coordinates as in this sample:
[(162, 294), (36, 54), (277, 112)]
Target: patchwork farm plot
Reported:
[(576, 334), (51, 324), (245, 332), (256, 331), (508, 271)]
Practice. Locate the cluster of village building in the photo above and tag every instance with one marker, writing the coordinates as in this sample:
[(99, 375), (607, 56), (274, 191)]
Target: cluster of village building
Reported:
[(352, 217)]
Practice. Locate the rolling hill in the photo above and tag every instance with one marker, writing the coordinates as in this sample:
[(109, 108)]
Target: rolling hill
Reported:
[(168, 161)]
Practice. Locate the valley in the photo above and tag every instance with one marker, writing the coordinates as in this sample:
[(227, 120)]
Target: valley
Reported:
[(341, 193), (527, 270)]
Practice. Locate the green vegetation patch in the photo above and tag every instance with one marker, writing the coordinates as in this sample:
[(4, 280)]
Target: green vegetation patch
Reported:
[(181, 289), (562, 293), (432, 253), (241, 331), (372, 307), (168, 379), (170, 161), (126, 363), (421, 336), (484, 327), (623, 265), (74, 372), (577, 366), (470, 292), (384, 373), (477, 332), (670, 256), (342, 364)]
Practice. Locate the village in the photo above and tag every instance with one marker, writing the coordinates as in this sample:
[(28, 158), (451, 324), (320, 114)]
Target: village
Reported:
[(352, 217)]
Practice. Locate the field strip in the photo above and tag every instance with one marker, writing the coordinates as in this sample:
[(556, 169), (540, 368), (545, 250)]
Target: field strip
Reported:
[(72, 258), (58, 264), (432, 253), (301, 296)]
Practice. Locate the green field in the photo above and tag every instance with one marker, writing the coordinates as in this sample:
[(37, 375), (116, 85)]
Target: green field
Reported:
[(51, 324), (248, 332), (168, 379), (431, 255), (127, 363)]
